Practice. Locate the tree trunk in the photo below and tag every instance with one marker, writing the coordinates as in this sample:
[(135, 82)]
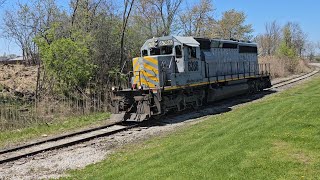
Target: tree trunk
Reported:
[(125, 22)]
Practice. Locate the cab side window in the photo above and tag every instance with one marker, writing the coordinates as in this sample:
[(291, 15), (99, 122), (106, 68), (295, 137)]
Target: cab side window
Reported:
[(166, 50), (144, 52), (154, 51), (178, 51), (192, 52)]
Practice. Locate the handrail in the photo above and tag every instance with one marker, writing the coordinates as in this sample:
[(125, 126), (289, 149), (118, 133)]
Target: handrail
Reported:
[(242, 68)]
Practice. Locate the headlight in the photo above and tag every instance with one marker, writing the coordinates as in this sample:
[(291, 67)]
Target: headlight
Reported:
[(140, 87), (113, 88)]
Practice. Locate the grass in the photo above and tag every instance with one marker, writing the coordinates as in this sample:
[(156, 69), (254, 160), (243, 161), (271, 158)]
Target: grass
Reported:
[(58, 127), (276, 138)]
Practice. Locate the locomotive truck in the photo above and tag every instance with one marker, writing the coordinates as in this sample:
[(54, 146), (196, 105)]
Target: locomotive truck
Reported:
[(174, 73)]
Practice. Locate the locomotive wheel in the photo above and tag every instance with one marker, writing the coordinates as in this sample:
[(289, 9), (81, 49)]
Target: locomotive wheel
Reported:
[(195, 105), (252, 87)]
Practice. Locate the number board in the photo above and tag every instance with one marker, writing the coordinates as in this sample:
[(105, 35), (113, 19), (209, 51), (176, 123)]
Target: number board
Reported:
[(193, 66), (168, 42)]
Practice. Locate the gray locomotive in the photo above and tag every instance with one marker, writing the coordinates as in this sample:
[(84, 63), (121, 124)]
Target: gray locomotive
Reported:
[(175, 73)]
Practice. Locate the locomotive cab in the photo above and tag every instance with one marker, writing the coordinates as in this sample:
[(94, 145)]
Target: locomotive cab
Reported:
[(163, 59)]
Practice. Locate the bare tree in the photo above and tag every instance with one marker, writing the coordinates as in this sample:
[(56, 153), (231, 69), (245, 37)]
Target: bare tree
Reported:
[(273, 37), (270, 40), (28, 22), (17, 26), (165, 13), (148, 17), (126, 14), (299, 38), (318, 45), (310, 50), (74, 5), (198, 21), (2, 2), (187, 22)]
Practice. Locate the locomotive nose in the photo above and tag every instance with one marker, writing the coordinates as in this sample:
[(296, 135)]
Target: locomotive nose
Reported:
[(145, 72)]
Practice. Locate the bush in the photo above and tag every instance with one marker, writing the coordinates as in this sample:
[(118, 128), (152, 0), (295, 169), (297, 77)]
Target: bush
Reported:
[(286, 51), (284, 66), (66, 59)]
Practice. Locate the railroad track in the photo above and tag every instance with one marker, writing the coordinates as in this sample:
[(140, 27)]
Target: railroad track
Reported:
[(12, 154), (293, 80), (31, 149)]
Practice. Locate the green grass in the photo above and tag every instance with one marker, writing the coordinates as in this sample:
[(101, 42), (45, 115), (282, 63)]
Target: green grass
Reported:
[(58, 127), (277, 138)]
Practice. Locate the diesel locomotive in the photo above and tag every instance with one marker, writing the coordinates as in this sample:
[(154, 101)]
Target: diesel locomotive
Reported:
[(175, 73)]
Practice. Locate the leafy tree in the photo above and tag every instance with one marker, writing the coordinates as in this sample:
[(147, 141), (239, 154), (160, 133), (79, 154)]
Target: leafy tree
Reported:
[(66, 59), (293, 40), (232, 26), (286, 50), (286, 47), (299, 38)]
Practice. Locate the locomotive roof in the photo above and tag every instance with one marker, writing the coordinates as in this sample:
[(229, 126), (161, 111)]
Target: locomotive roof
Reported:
[(246, 43), (195, 41), (189, 41)]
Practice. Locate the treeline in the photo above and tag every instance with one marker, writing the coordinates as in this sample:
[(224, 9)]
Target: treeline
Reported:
[(286, 48), (91, 41), (288, 40)]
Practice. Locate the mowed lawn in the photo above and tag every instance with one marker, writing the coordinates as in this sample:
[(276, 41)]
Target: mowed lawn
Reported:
[(276, 138)]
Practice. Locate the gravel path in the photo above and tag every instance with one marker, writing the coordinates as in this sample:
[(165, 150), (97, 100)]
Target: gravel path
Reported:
[(54, 164)]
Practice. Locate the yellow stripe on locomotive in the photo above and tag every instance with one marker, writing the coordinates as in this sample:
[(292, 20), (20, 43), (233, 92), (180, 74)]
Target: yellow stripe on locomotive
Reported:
[(146, 72)]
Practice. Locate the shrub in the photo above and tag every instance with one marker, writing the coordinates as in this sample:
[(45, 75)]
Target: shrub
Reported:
[(282, 66)]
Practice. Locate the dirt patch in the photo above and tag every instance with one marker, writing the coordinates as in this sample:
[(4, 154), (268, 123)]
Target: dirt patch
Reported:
[(17, 80), (284, 150), (301, 157)]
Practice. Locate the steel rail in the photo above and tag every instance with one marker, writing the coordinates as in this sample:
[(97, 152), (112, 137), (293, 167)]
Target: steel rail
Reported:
[(7, 150), (293, 80), (66, 140)]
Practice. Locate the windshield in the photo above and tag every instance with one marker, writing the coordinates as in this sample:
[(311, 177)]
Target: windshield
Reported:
[(164, 50)]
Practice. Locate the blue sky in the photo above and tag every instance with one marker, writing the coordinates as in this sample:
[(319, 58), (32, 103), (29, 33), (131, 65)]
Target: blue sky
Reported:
[(258, 13)]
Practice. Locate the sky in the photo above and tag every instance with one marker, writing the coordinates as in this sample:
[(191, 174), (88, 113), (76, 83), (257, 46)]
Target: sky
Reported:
[(259, 12)]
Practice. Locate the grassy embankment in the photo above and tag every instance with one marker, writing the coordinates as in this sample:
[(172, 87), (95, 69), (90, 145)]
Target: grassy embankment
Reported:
[(277, 138), (58, 127)]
